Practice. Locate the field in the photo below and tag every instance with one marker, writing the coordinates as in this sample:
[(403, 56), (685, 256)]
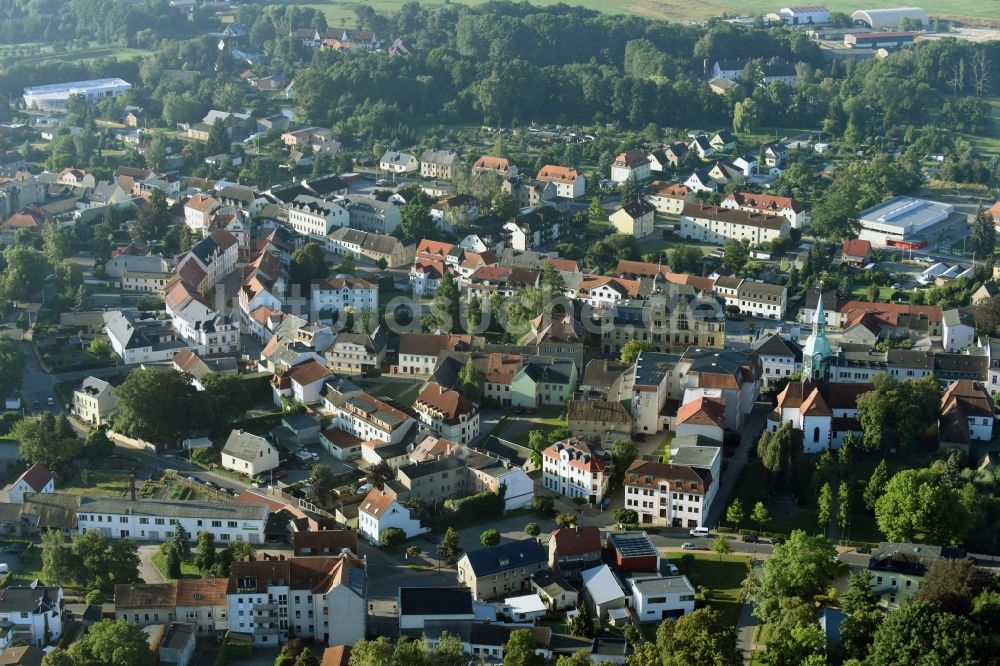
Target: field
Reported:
[(988, 145), (342, 13), (188, 568), (723, 579), (100, 482), (28, 53)]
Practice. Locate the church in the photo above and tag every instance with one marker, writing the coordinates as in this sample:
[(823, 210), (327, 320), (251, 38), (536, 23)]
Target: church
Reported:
[(824, 411)]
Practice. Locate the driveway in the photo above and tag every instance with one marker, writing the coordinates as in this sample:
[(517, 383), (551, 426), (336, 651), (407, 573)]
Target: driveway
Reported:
[(147, 570)]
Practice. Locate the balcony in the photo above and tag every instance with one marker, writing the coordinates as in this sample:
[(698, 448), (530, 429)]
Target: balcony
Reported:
[(270, 618), (265, 607)]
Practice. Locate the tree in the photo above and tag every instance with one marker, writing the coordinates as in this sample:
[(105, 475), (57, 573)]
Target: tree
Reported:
[(631, 350), (626, 516), (218, 139), (824, 508), (205, 559), (953, 584), (471, 381), (158, 406), (859, 595), (745, 116), (181, 540), (154, 218), (630, 189), (779, 452), (552, 282), (306, 658), (801, 567), (446, 304), (23, 274), (735, 255), (543, 504), (415, 221), (595, 212), (735, 514), (173, 560), (984, 236), (915, 502), (623, 454), (372, 653), (701, 637), (58, 562), (308, 264), (11, 366), (44, 441), (392, 536), (721, 546), (918, 633), (449, 548), (489, 538), (55, 243), (58, 657), (760, 516), (844, 501), (532, 529), (686, 259), (583, 623), (113, 643), (347, 264), (566, 520), (519, 650), (876, 485), (858, 631)]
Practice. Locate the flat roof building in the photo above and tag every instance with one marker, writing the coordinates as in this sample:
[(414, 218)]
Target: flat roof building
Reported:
[(54, 97), (898, 221)]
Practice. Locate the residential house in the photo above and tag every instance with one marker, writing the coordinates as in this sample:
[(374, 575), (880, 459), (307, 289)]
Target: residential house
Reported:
[(138, 340), (198, 212), (188, 362), (94, 401), (569, 183), (314, 217), (357, 353), (35, 479), (34, 614), (778, 357), (599, 291), (324, 599), (762, 299), (534, 228), (393, 161), (668, 198), (554, 335), (203, 329), (631, 163), (371, 215), (209, 260), (340, 443), (767, 204), (302, 383), (967, 413), (574, 548), (775, 153), (714, 224), (147, 604), (676, 153), (22, 655), (335, 295), (667, 495), (497, 165), (723, 86), (702, 416), (439, 163), (723, 141), (701, 146), (324, 542), (367, 417), (554, 590), (656, 598), (379, 512), (598, 419), (701, 180), (671, 320), (856, 252), (419, 605), (376, 247), (529, 192), (447, 413), (575, 468), (498, 370), (248, 454), (603, 592), (500, 570), (896, 570), (543, 381), (959, 330), (418, 352), (634, 219)]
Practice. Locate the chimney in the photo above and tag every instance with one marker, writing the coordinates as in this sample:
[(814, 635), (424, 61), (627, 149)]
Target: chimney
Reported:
[(131, 486)]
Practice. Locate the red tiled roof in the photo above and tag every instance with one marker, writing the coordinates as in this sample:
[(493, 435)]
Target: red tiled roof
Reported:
[(450, 404), (37, 476), (702, 411), (577, 540), (855, 247), (490, 163), (632, 269), (558, 174), (308, 372), (765, 202), (201, 202)]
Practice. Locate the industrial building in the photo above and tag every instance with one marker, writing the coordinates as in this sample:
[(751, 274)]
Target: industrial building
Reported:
[(54, 97), (879, 40), (899, 221), (810, 15), (888, 19)]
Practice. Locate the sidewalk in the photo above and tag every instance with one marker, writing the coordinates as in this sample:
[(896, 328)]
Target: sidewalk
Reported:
[(751, 432)]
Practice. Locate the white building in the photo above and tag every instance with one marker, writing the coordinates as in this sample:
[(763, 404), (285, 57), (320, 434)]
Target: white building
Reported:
[(447, 413), (713, 224), (331, 297), (198, 212), (762, 299), (394, 161), (248, 454), (575, 468), (367, 417), (33, 613), (94, 401), (315, 217), (569, 183), (324, 599), (379, 511), (811, 15), (630, 163), (203, 329), (779, 357), (154, 520), (668, 198), (899, 221), (767, 204), (138, 340), (35, 479), (959, 330), (54, 97), (667, 495), (967, 413), (656, 598)]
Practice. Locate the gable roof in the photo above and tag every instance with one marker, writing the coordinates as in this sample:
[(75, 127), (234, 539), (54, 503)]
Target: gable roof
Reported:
[(37, 477), (506, 556), (244, 445), (577, 540), (765, 202), (855, 247), (702, 411), (450, 405), (558, 174)]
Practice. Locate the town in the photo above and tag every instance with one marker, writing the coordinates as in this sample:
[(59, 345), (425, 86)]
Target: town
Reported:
[(343, 336)]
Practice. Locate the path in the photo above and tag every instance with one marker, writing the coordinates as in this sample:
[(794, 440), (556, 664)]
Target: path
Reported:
[(746, 626), (147, 570), (751, 431)]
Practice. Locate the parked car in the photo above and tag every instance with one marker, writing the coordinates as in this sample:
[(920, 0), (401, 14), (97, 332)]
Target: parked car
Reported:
[(750, 538), (864, 550), (687, 545), (777, 541), (50, 401), (699, 532)]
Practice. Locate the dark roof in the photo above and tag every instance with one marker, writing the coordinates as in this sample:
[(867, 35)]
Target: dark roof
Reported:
[(510, 555), (435, 601), (632, 544), (775, 345)]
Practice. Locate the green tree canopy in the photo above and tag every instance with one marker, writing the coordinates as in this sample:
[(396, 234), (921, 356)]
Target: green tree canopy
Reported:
[(157, 406), (802, 567), (918, 633), (113, 643)]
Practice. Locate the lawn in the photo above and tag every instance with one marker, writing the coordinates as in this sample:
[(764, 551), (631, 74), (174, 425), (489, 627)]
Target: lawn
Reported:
[(663, 450), (988, 145), (404, 392), (884, 293), (188, 568), (722, 576), (101, 482), (29, 565)]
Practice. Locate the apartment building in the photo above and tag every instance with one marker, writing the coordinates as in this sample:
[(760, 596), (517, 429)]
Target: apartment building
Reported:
[(447, 413), (575, 468), (667, 495), (333, 296), (314, 217), (712, 224), (500, 570)]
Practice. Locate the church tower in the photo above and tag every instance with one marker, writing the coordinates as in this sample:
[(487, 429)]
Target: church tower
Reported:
[(817, 352)]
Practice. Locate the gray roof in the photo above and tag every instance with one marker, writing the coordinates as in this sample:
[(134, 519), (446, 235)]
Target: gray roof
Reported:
[(548, 369), (445, 157), (298, 422), (662, 585), (93, 386), (435, 601), (35, 599), (651, 367), (245, 446), (601, 584), (173, 508), (506, 556), (695, 456), (775, 345)]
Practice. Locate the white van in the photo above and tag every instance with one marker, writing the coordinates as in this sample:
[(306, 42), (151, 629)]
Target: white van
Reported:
[(699, 532)]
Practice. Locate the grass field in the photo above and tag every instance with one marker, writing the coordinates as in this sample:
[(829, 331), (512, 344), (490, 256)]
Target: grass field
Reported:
[(989, 144), (722, 575), (35, 53), (342, 13), (107, 483), (404, 392), (188, 569)]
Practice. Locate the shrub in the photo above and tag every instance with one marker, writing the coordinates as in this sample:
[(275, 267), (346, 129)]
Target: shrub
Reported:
[(392, 536)]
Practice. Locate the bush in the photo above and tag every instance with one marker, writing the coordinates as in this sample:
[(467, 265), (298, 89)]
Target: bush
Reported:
[(94, 598), (392, 536), (477, 507), (7, 421), (543, 504)]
